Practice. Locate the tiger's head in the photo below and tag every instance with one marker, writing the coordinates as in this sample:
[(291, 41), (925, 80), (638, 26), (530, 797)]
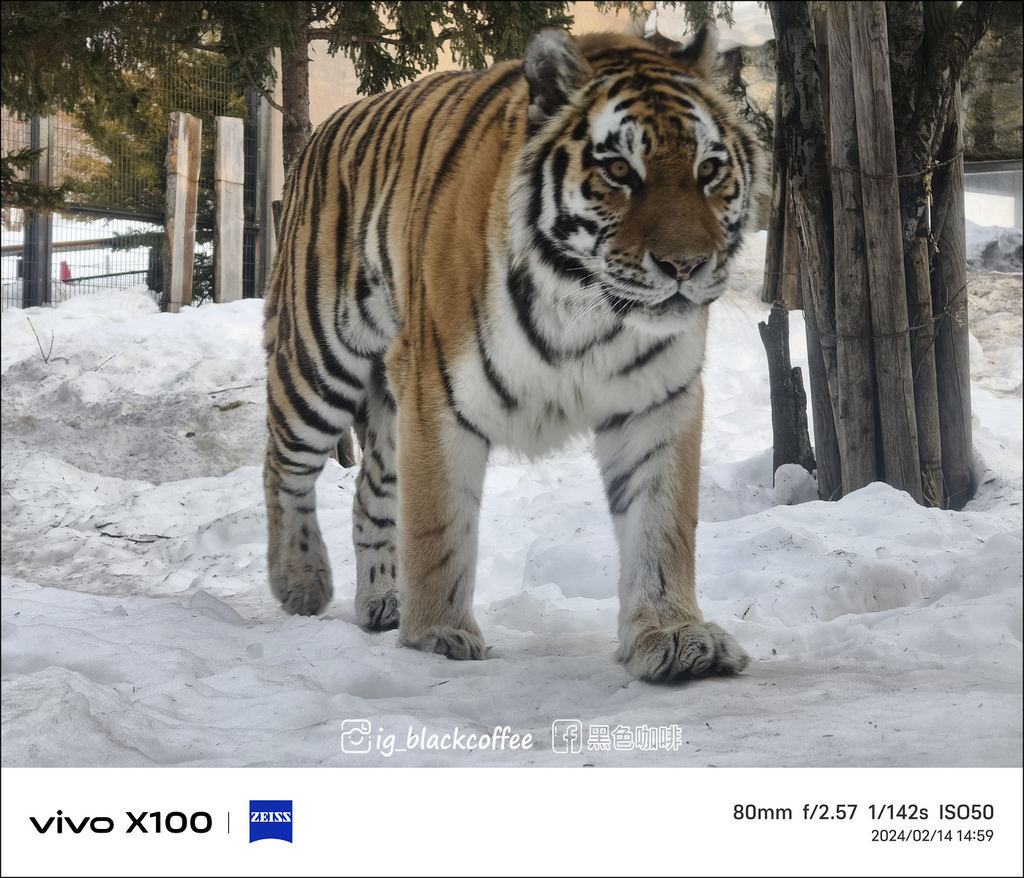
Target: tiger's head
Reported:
[(636, 179)]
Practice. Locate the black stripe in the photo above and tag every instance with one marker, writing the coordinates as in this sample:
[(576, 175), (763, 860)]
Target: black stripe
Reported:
[(379, 522), (618, 502), (614, 422), (331, 364), (470, 120), (380, 544), (646, 356), (490, 371), (363, 292), (459, 83), (387, 477), (446, 380), (341, 244), (334, 367), (442, 562), (308, 370), (587, 347), (666, 664), (628, 57), (567, 225), (521, 289), (567, 265), (454, 592), (537, 191), (559, 167), (582, 128), (282, 488), (394, 153), (299, 469), (277, 423), (621, 83), (618, 419), (615, 491), (375, 489), (303, 410)]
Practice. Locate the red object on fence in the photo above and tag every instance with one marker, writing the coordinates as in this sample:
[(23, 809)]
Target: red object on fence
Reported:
[(65, 273)]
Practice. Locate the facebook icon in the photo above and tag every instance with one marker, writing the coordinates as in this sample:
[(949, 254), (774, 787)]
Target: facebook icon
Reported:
[(270, 818), (567, 736)]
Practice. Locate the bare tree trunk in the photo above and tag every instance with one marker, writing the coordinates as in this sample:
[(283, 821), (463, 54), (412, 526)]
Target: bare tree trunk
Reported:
[(295, 127), (807, 164), (949, 296), (826, 440), (857, 414), (791, 441)]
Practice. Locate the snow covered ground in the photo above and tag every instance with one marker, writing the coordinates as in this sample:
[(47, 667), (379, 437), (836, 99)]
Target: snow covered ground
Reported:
[(139, 630)]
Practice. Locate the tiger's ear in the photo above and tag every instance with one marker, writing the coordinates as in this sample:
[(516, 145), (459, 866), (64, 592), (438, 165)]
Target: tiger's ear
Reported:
[(699, 52), (554, 68)]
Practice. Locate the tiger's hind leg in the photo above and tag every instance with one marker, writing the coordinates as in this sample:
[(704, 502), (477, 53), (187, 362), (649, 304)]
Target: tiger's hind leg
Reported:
[(375, 509), (307, 412), (441, 462)]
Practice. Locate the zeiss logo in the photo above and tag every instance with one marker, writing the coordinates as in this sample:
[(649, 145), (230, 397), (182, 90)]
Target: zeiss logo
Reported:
[(270, 819)]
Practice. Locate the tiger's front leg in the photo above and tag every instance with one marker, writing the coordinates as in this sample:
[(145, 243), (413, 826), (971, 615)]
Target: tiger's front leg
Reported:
[(651, 471), (441, 465)]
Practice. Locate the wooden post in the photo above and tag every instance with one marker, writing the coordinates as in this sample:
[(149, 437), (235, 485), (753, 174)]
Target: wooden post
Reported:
[(949, 292), (229, 214), (791, 441), (807, 162), (884, 241), (782, 253), (183, 151), (854, 354)]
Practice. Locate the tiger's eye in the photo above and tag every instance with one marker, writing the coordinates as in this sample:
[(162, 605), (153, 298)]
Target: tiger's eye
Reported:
[(707, 169), (619, 169)]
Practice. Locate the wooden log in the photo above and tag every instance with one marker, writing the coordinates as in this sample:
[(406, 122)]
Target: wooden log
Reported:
[(826, 439), (807, 163), (949, 298), (791, 440), (857, 415), (229, 207), (782, 251), (183, 152), (884, 245)]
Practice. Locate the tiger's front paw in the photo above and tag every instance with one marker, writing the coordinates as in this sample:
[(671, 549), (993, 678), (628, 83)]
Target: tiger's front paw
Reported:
[(305, 589), (456, 643), (380, 613), (663, 655)]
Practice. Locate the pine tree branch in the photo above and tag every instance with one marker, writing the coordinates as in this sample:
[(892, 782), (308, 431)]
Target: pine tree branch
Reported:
[(249, 75)]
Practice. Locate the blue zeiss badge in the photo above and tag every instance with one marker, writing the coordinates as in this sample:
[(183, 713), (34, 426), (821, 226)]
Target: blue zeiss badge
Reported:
[(270, 819)]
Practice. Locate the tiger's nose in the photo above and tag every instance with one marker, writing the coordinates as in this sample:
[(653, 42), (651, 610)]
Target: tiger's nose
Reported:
[(680, 267)]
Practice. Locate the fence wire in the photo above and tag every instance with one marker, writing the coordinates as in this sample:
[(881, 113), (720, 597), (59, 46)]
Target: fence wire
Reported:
[(111, 231)]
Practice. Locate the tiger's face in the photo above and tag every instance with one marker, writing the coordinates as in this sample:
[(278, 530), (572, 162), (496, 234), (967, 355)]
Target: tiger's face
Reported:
[(639, 182)]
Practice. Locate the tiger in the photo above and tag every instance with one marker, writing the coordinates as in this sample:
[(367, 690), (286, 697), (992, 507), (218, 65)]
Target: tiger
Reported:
[(511, 258)]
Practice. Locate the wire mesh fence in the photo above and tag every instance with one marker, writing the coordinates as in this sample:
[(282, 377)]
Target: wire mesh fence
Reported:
[(111, 232)]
